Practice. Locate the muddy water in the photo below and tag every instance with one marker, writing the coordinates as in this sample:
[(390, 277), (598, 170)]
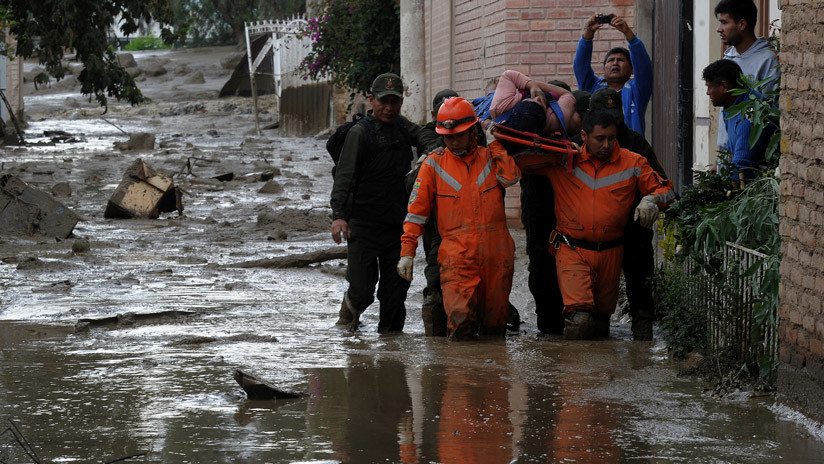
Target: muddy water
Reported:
[(164, 387)]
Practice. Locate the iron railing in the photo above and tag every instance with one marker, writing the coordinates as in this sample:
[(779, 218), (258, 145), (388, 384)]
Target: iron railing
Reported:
[(729, 298)]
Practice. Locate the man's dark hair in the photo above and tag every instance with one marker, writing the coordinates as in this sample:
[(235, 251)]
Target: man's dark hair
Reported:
[(620, 50), (738, 10), (598, 118), (723, 70)]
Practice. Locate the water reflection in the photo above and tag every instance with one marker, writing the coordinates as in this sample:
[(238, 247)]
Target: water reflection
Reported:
[(382, 410)]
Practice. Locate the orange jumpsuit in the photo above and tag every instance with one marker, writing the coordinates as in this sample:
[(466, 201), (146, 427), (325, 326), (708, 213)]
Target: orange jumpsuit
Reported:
[(477, 253), (592, 203)]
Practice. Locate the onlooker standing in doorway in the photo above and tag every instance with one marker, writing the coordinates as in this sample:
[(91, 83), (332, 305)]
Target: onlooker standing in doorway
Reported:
[(756, 58), (619, 65)]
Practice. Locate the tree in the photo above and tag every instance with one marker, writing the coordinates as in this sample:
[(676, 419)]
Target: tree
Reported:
[(353, 41), (218, 21), (48, 28)]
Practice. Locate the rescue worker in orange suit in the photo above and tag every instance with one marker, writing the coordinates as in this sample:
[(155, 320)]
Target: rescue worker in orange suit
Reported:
[(592, 205), (463, 189)]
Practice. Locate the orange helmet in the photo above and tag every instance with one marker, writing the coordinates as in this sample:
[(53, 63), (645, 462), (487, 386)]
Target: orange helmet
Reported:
[(455, 116)]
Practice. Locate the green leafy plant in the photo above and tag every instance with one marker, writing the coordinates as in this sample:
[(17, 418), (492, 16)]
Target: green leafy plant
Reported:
[(146, 43), (353, 41), (685, 325)]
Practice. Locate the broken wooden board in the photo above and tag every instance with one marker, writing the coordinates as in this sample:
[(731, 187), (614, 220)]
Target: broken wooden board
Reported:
[(143, 193), (27, 211), (259, 389)]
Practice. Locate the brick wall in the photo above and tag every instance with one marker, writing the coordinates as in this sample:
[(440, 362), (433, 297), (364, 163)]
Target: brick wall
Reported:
[(469, 42), (801, 292)]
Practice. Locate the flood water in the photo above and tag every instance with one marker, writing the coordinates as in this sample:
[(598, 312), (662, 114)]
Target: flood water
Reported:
[(163, 388)]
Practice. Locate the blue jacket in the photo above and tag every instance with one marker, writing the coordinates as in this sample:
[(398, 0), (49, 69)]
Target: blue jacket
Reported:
[(745, 158), (636, 92)]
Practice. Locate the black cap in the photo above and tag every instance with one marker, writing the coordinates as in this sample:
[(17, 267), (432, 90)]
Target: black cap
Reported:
[(581, 100), (607, 100), (440, 97), (387, 84), (561, 84)]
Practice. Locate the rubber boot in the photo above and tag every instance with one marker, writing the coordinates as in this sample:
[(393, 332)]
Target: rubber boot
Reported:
[(580, 325), (513, 318), (345, 314), (601, 326), (641, 328), (433, 315)]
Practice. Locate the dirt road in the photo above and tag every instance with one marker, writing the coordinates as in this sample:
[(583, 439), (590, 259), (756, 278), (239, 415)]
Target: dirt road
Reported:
[(163, 386)]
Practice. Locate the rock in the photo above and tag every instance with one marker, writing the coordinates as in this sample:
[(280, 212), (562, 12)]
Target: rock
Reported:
[(27, 211), (70, 102), (137, 141), (81, 245), (75, 68), (75, 116), (67, 83), (195, 78), (259, 389), (271, 187), (231, 61), (134, 71), (183, 70), (126, 60), (62, 190), (154, 70)]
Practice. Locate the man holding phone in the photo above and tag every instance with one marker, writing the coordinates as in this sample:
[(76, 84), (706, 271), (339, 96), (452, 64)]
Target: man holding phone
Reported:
[(619, 65)]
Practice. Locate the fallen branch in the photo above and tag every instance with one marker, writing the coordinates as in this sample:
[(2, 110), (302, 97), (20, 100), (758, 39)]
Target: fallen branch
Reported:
[(298, 260)]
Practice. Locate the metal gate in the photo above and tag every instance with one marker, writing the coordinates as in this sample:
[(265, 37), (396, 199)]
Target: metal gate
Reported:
[(304, 105), (672, 94)]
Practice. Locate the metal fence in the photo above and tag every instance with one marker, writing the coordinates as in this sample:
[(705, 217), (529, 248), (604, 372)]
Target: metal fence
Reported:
[(729, 299)]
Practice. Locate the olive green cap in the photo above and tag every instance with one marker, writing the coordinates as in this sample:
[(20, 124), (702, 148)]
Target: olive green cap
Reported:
[(387, 84), (608, 100)]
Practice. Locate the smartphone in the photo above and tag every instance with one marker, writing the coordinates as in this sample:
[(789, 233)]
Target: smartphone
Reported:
[(604, 18)]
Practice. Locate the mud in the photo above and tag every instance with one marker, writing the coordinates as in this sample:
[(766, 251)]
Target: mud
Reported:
[(165, 387)]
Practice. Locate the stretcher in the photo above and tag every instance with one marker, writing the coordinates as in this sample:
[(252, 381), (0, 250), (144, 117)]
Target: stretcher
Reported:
[(539, 150)]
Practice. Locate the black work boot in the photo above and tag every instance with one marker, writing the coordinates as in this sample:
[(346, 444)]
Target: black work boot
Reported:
[(601, 326), (513, 318), (580, 325), (345, 314), (641, 328)]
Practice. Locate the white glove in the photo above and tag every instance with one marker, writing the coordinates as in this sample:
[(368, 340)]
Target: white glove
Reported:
[(405, 267), (490, 136), (646, 213)]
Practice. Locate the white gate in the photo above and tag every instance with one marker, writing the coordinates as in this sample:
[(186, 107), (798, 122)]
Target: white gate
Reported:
[(288, 51)]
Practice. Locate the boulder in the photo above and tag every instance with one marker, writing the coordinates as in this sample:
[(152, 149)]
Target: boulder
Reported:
[(27, 211), (126, 60)]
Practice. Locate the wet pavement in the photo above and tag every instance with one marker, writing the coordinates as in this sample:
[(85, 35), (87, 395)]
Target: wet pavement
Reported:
[(164, 386)]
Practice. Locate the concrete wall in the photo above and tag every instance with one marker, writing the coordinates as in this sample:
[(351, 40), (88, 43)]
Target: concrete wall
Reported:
[(801, 292)]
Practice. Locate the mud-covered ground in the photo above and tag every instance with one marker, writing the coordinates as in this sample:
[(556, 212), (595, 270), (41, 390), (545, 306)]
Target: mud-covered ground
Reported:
[(162, 388)]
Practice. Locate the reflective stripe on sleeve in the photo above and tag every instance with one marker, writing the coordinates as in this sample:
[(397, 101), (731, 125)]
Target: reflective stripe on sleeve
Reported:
[(666, 197), (443, 174), (507, 183), (415, 219)]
